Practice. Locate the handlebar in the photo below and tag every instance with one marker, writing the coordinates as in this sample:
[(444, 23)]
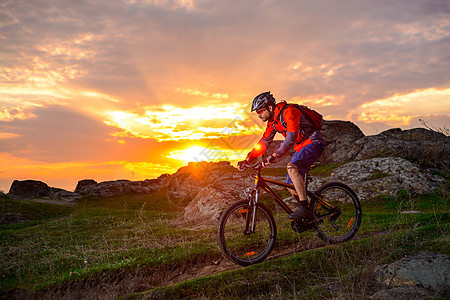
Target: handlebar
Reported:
[(256, 167)]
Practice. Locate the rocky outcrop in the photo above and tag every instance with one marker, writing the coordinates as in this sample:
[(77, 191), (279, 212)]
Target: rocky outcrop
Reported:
[(420, 276), (27, 189), (425, 147), (368, 178), (382, 176), (187, 182), (339, 135), (119, 187), (83, 186), (33, 189), (209, 203), (346, 142)]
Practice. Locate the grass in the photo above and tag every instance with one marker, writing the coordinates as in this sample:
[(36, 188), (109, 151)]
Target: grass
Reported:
[(342, 271), (97, 238)]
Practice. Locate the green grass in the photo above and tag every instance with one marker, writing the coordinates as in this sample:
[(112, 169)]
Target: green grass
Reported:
[(43, 246), (342, 271), (20, 213)]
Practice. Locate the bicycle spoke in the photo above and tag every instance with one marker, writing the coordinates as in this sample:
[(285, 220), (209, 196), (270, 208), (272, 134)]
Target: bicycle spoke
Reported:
[(238, 243), (337, 212)]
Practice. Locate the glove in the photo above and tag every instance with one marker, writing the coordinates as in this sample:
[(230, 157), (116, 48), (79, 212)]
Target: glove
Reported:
[(242, 164), (270, 159)]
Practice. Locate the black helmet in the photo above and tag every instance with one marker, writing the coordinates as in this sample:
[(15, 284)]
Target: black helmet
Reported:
[(263, 100)]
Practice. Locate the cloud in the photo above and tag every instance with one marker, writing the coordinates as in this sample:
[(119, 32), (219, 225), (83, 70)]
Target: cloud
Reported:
[(117, 80), (400, 109), (56, 134), (146, 50), (170, 123)]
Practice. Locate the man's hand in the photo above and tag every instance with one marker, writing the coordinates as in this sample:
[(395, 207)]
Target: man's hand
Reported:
[(242, 164), (269, 160)]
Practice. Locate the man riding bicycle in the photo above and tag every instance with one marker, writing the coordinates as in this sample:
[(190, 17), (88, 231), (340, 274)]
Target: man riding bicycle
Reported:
[(308, 143)]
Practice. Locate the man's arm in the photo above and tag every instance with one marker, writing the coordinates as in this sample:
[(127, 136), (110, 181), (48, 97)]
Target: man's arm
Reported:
[(262, 144)]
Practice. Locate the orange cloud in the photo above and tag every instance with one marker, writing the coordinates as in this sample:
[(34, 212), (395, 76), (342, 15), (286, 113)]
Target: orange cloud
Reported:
[(165, 123), (400, 109)]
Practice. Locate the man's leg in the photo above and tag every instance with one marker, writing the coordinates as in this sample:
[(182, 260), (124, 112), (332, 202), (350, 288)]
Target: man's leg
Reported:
[(298, 182), (299, 165)]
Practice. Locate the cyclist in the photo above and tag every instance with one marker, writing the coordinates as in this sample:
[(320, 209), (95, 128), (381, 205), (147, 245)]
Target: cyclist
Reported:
[(307, 141)]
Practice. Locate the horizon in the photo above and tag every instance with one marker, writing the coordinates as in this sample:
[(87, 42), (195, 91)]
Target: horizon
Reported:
[(133, 89)]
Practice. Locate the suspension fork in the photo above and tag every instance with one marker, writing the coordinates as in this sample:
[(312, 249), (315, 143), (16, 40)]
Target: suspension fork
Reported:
[(250, 223)]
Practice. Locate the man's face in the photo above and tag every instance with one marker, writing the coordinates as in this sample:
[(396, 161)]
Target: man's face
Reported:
[(264, 113)]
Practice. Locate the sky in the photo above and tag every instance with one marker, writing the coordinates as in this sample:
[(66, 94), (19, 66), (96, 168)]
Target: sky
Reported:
[(132, 89)]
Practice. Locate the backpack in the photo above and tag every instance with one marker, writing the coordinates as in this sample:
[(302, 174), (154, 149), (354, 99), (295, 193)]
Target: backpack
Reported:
[(313, 118)]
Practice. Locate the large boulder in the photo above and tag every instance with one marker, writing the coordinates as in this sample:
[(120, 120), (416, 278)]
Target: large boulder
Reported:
[(339, 135), (119, 187), (420, 276), (83, 186), (209, 203), (382, 176), (425, 147), (28, 189), (33, 189)]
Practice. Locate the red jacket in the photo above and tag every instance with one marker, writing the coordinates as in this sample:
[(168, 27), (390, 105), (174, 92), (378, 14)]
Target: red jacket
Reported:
[(295, 123)]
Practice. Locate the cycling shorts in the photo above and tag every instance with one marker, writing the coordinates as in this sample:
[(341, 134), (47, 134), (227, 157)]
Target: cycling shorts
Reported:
[(304, 158)]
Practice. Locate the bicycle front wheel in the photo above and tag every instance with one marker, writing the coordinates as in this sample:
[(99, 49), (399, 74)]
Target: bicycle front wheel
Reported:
[(237, 241), (337, 211)]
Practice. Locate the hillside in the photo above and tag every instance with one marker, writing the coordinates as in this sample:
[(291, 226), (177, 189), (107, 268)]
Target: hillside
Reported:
[(157, 239)]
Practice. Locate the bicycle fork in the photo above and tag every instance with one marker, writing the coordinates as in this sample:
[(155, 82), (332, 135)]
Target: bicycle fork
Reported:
[(250, 218)]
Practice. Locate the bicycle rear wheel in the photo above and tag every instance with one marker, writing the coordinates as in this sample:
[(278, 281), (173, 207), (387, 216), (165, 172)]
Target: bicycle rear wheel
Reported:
[(337, 211), (245, 248)]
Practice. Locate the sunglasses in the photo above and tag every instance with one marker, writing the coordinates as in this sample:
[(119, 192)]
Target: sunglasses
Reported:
[(260, 111)]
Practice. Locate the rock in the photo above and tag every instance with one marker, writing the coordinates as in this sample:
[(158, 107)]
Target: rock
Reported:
[(63, 195), (121, 187), (208, 204), (425, 147), (28, 189), (382, 176), (404, 292), (339, 135), (33, 189), (346, 142), (83, 185), (428, 271), (185, 183), (368, 178), (189, 180)]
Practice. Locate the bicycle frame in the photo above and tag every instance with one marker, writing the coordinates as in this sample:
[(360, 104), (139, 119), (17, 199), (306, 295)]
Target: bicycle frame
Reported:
[(261, 182)]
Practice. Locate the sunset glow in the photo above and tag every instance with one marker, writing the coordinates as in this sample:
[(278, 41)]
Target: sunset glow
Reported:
[(165, 123), (133, 89), (214, 154)]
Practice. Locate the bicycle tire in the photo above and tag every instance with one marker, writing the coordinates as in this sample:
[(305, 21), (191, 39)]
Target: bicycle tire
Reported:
[(345, 220), (246, 249)]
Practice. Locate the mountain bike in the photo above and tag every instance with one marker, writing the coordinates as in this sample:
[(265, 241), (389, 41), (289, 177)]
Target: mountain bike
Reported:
[(247, 230)]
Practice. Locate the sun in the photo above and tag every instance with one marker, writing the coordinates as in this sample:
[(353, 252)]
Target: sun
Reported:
[(191, 154)]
